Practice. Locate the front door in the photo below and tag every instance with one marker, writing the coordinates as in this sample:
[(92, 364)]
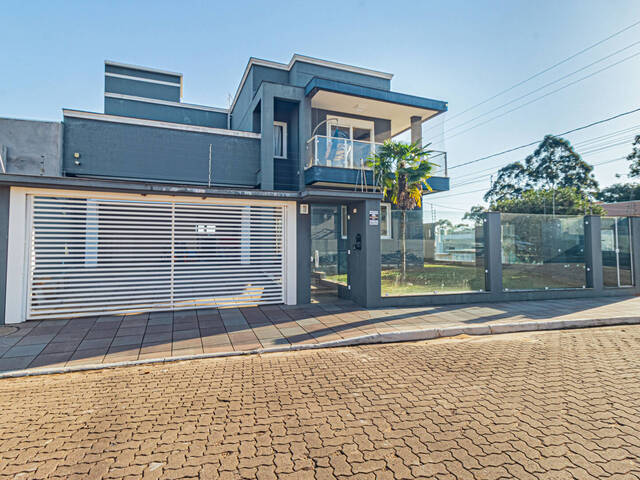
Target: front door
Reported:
[(328, 250)]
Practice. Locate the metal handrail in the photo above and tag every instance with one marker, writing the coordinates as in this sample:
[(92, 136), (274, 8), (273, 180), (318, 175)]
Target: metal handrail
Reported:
[(349, 143), (348, 150)]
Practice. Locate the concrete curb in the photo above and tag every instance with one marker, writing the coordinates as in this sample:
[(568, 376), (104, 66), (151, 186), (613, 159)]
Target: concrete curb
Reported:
[(387, 337)]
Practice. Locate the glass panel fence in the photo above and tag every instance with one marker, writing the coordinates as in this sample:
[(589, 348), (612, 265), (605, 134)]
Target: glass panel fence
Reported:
[(542, 251), (615, 237), (339, 152), (443, 253)]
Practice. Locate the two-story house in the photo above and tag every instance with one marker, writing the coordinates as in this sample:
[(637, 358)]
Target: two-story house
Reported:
[(157, 204)]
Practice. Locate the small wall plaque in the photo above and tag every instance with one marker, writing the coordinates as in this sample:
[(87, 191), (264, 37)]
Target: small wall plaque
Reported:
[(374, 217)]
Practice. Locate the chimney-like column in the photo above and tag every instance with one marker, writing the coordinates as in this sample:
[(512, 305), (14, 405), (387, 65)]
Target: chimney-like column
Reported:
[(416, 130)]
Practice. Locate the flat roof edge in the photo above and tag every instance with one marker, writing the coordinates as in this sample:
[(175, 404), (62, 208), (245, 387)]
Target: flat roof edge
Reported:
[(140, 67), (317, 83), (104, 117), (134, 98), (303, 58), (81, 183)]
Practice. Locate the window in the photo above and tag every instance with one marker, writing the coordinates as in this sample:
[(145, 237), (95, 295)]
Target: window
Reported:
[(343, 221), (280, 139), (385, 220)]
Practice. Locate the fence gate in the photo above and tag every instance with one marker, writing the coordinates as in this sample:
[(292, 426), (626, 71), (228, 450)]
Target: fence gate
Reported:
[(90, 256), (617, 265)]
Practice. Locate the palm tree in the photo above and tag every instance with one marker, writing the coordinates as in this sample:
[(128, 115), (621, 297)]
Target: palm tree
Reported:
[(401, 171)]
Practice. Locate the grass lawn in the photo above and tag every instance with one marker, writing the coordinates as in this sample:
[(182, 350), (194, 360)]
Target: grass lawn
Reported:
[(433, 278), (445, 278)]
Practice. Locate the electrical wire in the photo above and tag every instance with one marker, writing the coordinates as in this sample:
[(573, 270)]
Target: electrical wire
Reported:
[(526, 80), (545, 95), (580, 144), (520, 147), (539, 89)]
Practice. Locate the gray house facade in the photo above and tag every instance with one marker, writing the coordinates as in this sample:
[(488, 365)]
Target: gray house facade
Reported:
[(157, 204)]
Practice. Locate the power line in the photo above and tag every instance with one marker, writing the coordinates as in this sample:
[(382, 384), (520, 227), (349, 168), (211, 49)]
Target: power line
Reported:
[(617, 159), (445, 207), (582, 143), (545, 95), (605, 147), (483, 178), (463, 193), (590, 47), (520, 147), (496, 169), (542, 88), (624, 157)]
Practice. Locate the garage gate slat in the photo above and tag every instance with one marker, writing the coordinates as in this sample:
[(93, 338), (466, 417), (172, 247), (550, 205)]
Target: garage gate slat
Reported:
[(92, 256)]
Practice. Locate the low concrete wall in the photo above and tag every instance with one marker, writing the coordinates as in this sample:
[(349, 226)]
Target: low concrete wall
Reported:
[(513, 296), (32, 147)]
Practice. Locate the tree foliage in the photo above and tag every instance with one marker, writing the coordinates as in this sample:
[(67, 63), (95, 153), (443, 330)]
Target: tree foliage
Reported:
[(475, 214), (567, 200), (634, 158), (554, 164), (402, 170), (620, 192)]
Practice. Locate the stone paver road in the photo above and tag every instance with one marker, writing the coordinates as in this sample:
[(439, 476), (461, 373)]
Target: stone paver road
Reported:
[(560, 404)]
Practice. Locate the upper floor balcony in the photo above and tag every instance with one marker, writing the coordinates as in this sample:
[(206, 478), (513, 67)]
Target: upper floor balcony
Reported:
[(343, 160), (340, 152)]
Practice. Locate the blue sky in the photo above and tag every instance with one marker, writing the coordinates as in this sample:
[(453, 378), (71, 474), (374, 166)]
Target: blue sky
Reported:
[(52, 57)]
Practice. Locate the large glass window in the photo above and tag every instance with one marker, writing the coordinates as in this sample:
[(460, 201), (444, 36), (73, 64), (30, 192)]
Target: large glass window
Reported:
[(385, 220), (344, 221), (542, 251), (615, 237), (280, 139), (442, 252)]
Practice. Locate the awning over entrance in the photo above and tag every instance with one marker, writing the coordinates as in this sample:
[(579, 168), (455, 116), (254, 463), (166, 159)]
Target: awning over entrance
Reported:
[(372, 102)]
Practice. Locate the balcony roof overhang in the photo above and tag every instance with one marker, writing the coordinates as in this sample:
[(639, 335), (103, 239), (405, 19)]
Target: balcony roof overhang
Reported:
[(372, 102)]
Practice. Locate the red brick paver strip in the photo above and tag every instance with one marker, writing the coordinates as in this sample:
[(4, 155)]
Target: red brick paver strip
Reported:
[(540, 405), (53, 345)]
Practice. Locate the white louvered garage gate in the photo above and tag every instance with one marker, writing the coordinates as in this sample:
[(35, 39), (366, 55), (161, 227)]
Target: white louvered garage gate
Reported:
[(92, 255)]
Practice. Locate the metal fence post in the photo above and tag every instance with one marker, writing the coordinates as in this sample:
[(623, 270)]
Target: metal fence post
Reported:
[(635, 250), (493, 252), (593, 251)]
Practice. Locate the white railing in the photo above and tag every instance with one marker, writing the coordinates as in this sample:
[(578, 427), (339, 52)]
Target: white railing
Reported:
[(339, 152)]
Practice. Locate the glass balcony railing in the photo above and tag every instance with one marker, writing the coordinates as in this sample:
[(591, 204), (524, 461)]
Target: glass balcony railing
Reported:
[(339, 152)]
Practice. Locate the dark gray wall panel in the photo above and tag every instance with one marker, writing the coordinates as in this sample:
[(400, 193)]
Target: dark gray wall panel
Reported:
[(135, 72), (301, 73), (139, 88), (241, 117), (267, 74), (33, 148), (164, 113), (4, 239), (110, 149)]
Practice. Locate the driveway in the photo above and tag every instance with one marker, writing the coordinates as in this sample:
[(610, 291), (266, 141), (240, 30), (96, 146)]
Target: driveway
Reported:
[(554, 405)]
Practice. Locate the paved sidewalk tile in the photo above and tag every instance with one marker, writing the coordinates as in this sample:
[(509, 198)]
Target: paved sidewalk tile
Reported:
[(110, 338)]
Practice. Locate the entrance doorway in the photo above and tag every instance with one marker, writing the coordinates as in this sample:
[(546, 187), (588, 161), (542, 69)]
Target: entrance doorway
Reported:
[(328, 251), (616, 252)]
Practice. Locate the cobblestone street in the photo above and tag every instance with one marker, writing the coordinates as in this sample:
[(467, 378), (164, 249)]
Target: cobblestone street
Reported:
[(559, 404)]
